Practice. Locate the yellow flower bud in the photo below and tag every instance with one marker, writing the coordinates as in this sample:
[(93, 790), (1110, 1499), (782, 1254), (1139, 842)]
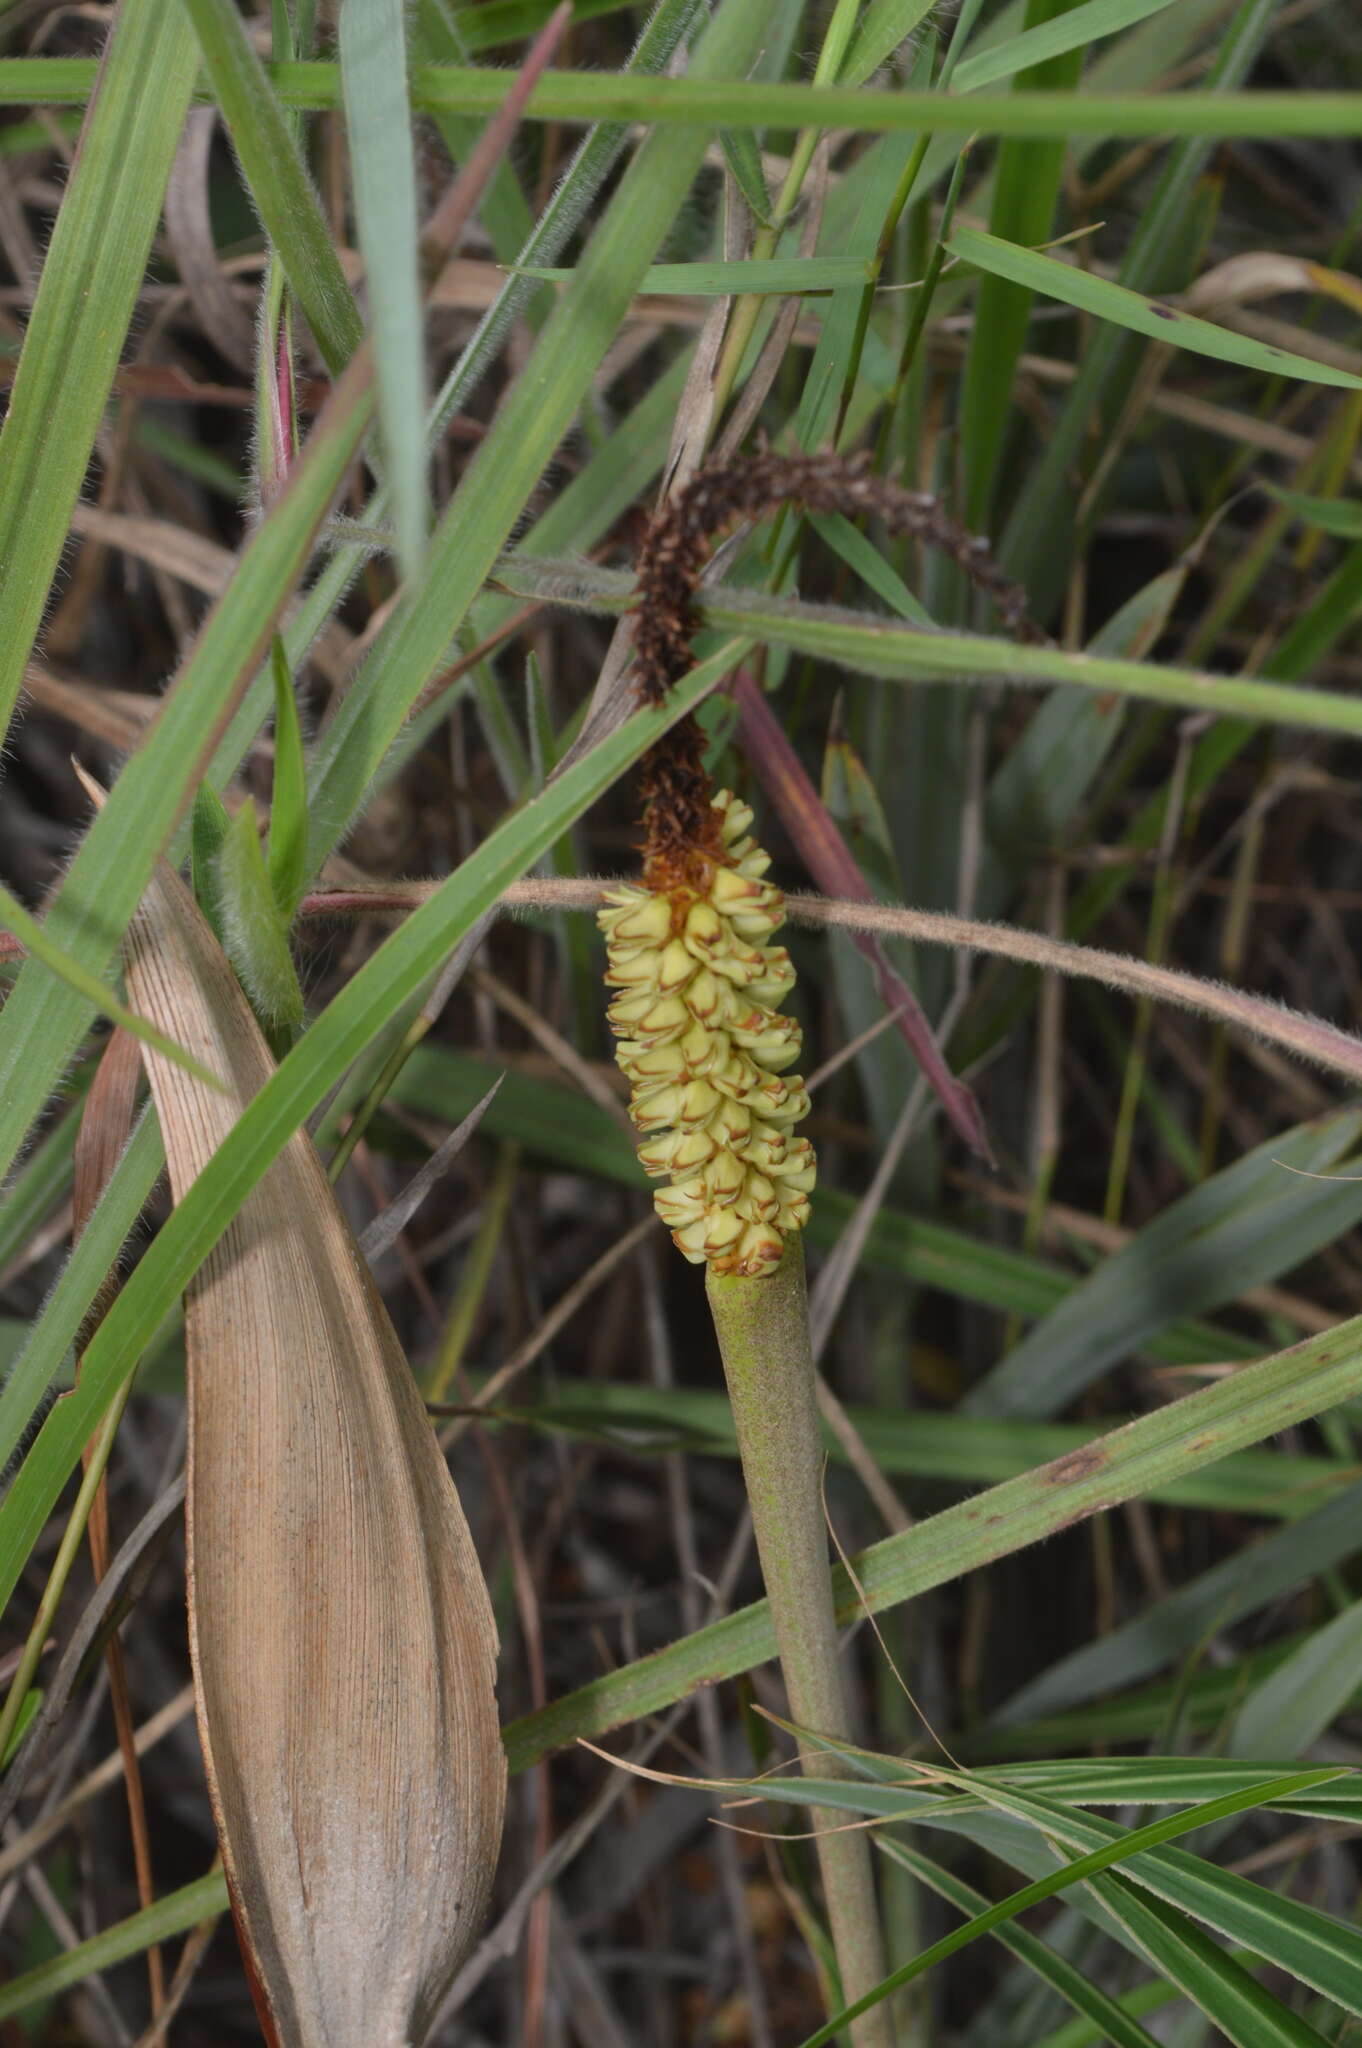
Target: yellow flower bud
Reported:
[(707, 998), (636, 914), (675, 967), (724, 1178)]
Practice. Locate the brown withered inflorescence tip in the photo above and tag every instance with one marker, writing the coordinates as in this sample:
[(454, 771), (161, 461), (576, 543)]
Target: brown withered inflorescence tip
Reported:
[(676, 791)]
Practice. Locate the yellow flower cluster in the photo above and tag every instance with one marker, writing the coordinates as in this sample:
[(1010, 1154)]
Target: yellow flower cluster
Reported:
[(704, 1048)]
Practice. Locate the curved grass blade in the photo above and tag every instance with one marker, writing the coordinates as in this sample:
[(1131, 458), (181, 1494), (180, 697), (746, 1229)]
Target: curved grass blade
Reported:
[(174, 1914), (43, 1021), (1125, 308), (1118, 1846), (14, 918), (1111, 2020), (876, 646), (1242, 1410), (373, 61), (89, 285), (1076, 30), (277, 178)]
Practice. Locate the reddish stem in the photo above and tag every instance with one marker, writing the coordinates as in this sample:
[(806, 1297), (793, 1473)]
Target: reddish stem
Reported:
[(833, 867)]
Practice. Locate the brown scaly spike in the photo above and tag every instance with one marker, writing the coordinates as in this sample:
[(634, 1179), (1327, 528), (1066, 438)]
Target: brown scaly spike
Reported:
[(680, 829)]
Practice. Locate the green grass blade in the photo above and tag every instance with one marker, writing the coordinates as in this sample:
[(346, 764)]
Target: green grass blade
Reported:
[(1026, 188), (1216, 1599), (1312, 1946), (1242, 1410), (45, 1177), (1246, 2014), (210, 822), (882, 28), (89, 285), (255, 934), (1076, 30), (1175, 1780), (174, 1914), (1119, 1849), (94, 1254), (373, 61), (43, 1021), (277, 177), (14, 918), (589, 96), (1341, 516), (1125, 308), (971, 1450), (1112, 2021), (880, 647), (1241, 1228), (288, 798), (1294, 1706)]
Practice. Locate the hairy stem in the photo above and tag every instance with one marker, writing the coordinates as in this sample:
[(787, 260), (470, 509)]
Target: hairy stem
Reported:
[(763, 1330)]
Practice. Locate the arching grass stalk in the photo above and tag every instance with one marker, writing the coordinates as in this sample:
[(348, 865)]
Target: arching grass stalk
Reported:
[(763, 1330)]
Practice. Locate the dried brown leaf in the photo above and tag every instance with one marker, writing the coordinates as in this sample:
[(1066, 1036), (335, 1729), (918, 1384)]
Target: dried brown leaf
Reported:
[(343, 1643)]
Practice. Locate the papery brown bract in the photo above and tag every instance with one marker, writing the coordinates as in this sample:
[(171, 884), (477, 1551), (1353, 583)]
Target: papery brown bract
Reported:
[(343, 1644)]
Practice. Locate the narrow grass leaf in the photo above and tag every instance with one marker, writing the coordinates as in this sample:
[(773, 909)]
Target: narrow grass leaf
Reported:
[(210, 822), (1076, 30), (45, 1177), (588, 96), (1125, 308), (1122, 1846), (89, 284), (288, 798), (276, 175), (1240, 1585), (43, 1020), (1341, 516), (174, 1914), (1240, 1229), (255, 935), (1311, 1946), (1026, 191), (1241, 1410), (31, 935), (343, 1644), (1246, 2014), (373, 63), (1294, 1705), (1111, 2020), (884, 27), (744, 161), (969, 1450)]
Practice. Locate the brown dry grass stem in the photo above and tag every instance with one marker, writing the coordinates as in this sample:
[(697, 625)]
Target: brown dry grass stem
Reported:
[(1310, 1038)]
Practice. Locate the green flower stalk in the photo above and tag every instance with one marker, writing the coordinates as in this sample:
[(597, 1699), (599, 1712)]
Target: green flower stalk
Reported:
[(706, 1047)]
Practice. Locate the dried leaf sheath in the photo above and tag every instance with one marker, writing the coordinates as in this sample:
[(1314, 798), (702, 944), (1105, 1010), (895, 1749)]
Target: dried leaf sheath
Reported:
[(343, 1644)]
